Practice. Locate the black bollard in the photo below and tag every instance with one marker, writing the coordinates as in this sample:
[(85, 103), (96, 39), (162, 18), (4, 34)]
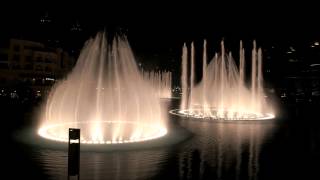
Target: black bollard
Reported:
[(74, 153)]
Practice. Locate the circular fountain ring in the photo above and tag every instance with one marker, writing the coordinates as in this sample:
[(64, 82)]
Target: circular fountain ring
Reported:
[(59, 132), (225, 115)]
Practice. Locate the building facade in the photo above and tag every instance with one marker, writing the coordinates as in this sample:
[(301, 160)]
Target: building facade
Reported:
[(33, 66)]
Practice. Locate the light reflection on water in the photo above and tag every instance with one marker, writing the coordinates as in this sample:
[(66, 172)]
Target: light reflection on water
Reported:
[(224, 150), (216, 150), (112, 165)]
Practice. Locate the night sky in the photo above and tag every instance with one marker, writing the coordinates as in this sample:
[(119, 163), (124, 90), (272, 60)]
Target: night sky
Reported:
[(155, 29), (166, 23)]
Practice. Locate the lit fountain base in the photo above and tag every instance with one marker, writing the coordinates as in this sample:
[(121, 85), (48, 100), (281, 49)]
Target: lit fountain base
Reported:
[(221, 115), (104, 132), (46, 137)]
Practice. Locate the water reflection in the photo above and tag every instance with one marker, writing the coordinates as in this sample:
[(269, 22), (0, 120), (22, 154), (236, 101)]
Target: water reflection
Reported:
[(222, 150), (228, 150), (53, 162), (112, 165)]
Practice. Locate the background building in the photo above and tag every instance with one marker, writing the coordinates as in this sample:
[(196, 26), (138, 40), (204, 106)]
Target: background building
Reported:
[(30, 68)]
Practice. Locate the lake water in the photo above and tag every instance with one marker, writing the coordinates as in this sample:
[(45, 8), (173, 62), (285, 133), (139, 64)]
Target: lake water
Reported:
[(285, 148)]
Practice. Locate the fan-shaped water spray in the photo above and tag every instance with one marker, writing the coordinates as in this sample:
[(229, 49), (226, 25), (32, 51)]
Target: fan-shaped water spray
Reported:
[(222, 93), (106, 96)]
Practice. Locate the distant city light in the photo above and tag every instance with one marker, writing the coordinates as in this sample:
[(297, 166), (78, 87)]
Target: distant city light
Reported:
[(45, 19), (293, 60), (38, 94), (292, 49), (316, 43), (312, 65), (49, 79), (76, 27)]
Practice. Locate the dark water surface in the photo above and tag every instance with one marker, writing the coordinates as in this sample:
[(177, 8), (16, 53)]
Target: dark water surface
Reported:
[(286, 148)]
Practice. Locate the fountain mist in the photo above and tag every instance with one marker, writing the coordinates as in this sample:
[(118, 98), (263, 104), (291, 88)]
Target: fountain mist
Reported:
[(222, 93), (160, 81), (106, 97)]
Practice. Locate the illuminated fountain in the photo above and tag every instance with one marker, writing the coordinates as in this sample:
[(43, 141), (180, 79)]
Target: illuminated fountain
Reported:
[(105, 96), (222, 93), (161, 81)]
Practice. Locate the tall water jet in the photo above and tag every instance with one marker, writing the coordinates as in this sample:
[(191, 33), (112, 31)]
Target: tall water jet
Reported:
[(184, 78), (204, 74), (222, 92), (192, 78), (241, 74), (253, 74), (105, 96)]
